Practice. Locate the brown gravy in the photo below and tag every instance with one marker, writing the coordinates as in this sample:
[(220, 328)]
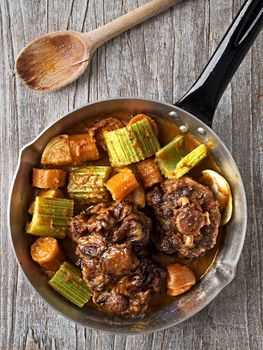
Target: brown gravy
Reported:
[(167, 131)]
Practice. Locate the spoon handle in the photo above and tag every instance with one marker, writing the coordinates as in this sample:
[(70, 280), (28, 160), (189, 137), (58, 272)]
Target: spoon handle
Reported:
[(110, 30)]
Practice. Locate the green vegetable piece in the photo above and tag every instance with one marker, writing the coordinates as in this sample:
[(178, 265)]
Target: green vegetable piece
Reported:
[(51, 217), (86, 184), (168, 156), (68, 282), (131, 144), (189, 161)]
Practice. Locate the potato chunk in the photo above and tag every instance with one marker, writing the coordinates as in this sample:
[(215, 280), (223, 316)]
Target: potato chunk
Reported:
[(138, 196), (57, 151), (180, 279), (49, 178), (83, 148), (222, 192)]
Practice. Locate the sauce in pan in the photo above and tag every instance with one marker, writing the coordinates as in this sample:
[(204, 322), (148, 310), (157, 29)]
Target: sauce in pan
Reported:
[(167, 131)]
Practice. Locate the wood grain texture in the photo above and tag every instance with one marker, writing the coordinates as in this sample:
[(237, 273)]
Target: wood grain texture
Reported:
[(159, 59)]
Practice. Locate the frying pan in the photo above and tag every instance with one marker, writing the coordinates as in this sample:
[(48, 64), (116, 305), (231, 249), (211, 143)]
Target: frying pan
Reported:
[(193, 113)]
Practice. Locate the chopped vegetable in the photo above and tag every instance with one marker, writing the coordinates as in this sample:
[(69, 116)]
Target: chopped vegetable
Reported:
[(189, 161), (49, 178), (68, 282), (149, 172), (73, 149), (57, 151), (131, 144), (51, 217), (51, 194), (138, 196), (47, 253), (141, 116), (86, 184), (83, 148), (47, 194), (169, 156), (122, 184), (180, 279), (222, 192), (31, 208), (172, 159), (107, 124)]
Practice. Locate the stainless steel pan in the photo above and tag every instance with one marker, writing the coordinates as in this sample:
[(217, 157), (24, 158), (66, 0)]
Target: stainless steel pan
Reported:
[(194, 112)]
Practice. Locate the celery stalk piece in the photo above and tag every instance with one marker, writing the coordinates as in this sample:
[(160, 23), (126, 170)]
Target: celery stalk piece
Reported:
[(169, 155), (189, 161), (87, 183), (51, 217), (68, 282), (131, 144)]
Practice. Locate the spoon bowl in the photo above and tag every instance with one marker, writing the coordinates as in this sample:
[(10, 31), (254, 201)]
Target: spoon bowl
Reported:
[(53, 61)]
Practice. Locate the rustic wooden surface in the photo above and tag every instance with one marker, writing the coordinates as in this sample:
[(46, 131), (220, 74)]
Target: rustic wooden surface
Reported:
[(159, 59)]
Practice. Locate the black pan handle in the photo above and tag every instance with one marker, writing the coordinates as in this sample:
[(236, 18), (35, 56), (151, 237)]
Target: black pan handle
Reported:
[(203, 97)]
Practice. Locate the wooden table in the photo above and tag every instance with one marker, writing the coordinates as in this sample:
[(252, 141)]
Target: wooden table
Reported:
[(160, 60)]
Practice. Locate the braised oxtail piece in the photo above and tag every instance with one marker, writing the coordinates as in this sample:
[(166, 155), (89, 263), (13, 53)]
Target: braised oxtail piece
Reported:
[(188, 217), (112, 247)]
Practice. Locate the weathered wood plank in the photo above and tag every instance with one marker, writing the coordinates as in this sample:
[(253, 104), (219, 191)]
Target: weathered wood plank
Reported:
[(159, 59)]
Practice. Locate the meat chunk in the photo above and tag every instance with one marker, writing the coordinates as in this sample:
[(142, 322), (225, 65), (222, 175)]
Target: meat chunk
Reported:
[(118, 260), (93, 245), (190, 220), (135, 227), (111, 301), (188, 217), (118, 222), (134, 291), (112, 242)]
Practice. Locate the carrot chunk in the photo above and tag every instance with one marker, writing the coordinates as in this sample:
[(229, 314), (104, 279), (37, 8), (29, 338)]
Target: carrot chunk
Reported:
[(121, 184), (149, 172), (49, 178), (83, 148), (47, 253)]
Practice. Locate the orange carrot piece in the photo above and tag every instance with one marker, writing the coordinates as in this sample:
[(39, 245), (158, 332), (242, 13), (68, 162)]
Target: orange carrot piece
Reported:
[(83, 148), (47, 253), (149, 172), (49, 178), (121, 184)]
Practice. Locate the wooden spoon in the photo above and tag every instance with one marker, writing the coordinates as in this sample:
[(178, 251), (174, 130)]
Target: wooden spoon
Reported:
[(56, 59)]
